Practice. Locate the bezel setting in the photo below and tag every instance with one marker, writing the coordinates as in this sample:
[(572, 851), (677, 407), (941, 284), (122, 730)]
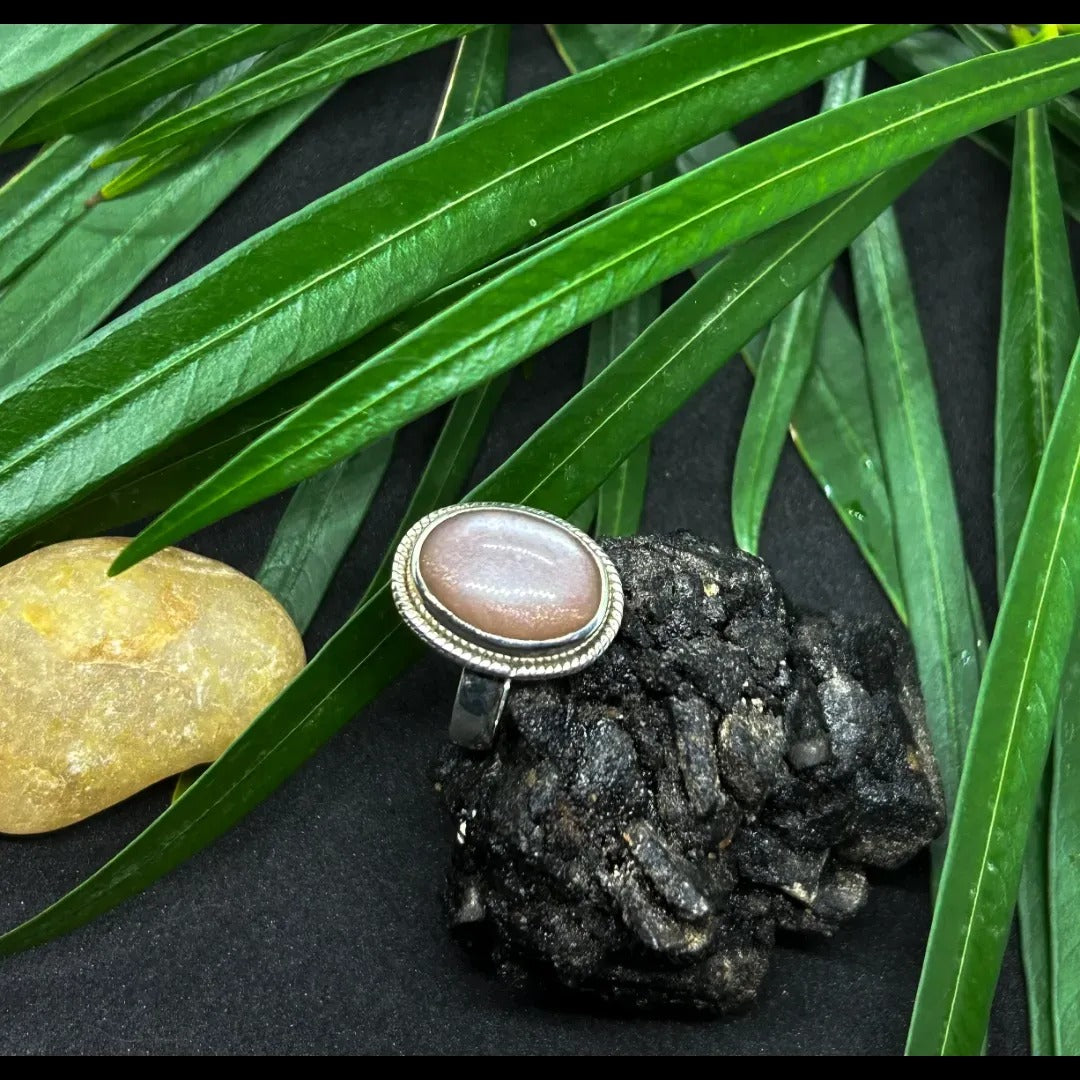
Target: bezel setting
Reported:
[(487, 653)]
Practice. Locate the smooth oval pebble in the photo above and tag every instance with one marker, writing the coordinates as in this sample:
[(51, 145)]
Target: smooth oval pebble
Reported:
[(511, 574), (108, 685)]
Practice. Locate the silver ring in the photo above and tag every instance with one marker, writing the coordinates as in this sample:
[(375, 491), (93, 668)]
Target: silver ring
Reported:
[(509, 593)]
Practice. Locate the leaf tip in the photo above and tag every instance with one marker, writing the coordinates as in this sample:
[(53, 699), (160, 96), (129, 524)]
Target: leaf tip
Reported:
[(127, 558)]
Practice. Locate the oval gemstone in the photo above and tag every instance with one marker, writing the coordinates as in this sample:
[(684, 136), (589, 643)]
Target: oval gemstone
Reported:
[(108, 685), (510, 574)]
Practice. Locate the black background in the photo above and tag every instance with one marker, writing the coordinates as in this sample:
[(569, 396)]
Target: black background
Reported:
[(315, 926)]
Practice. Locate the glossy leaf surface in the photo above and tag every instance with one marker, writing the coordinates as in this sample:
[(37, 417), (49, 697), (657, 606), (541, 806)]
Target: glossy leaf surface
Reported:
[(1006, 753), (247, 319), (316, 69), (18, 105), (918, 477), (185, 57), (595, 269), (113, 245), (780, 374), (317, 528)]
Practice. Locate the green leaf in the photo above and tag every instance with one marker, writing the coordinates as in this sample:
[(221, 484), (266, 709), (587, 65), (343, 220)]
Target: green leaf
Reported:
[(620, 499), (604, 264), (1064, 112), (18, 105), (832, 426), (585, 45), (144, 169), (317, 528), (780, 374), (40, 200), (31, 51), (1006, 753), (381, 243), (151, 484), (476, 85), (1040, 324), (932, 50), (327, 65), (109, 249), (448, 467), (1062, 837), (477, 80), (615, 508), (580, 445), (632, 396), (58, 187), (185, 57), (926, 523)]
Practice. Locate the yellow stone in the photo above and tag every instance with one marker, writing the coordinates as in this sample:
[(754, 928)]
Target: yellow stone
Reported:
[(108, 685)]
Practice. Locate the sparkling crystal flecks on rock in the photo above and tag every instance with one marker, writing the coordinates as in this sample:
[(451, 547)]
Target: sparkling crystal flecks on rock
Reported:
[(108, 685), (509, 574)]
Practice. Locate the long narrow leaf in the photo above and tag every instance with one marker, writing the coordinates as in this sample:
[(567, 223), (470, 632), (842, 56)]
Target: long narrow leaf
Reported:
[(1006, 753), (780, 374), (144, 169), (620, 499), (585, 45), (328, 65), (606, 263), (477, 84), (1064, 112), (18, 105), (111, 248), (31, 51), (926, 523), (1040, 325), (832, 425), (615, 508), (55, 190), (833, 430), (635, 394), (151, 484), (376, 246), (317, 528), (1063, 842), (185, 57), (931, 50), (45, 196)]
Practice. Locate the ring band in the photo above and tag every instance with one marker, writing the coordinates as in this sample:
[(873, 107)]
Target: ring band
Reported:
[(508, 592)]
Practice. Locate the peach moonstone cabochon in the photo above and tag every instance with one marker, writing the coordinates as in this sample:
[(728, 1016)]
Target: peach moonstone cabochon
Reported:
[(108, 685), (511, 574)]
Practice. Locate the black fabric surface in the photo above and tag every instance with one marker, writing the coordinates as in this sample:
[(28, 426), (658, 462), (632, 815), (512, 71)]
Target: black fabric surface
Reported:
[(316, 925)]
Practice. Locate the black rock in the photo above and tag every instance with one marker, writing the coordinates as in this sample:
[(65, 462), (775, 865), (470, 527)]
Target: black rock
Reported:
[(729, 766)]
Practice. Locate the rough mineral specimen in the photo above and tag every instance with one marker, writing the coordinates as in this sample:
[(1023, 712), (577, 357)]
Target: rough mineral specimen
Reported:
[(110, 684), (727, 768)]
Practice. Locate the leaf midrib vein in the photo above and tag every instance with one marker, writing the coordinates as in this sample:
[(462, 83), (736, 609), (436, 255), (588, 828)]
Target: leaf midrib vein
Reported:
[(208, 115), (1042, 382), (155, 72), (1033, 637), (233, 329), (772, 388), (371, 403), (940, 610), (619, 407)]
